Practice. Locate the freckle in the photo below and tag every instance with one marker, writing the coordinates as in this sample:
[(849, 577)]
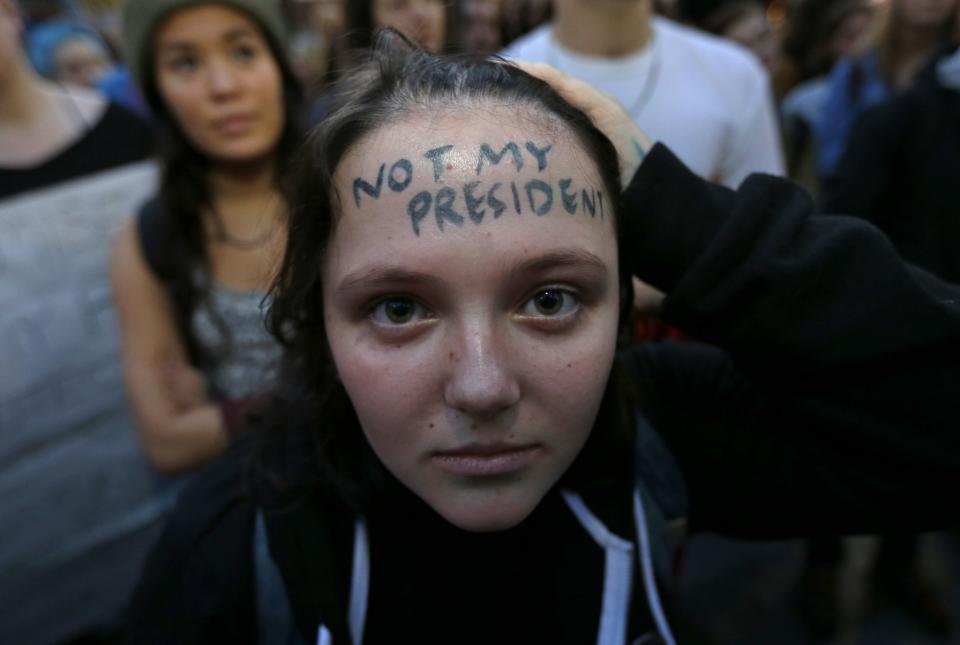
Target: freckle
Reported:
[(569, 364), (431, 425), (452, 357)]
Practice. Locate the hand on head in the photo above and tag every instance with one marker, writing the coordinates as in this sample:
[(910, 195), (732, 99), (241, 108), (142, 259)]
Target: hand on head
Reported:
[(607, 114)]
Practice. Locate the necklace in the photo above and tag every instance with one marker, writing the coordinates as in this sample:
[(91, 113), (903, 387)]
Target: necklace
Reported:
[(222, 234), (649, 82)]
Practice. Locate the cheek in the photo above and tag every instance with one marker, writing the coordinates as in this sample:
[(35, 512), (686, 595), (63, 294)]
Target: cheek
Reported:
[(392, 391), (183, 102)]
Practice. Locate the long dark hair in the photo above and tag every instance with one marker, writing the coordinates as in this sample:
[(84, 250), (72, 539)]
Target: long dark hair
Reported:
[(185, 194), (311, 436)]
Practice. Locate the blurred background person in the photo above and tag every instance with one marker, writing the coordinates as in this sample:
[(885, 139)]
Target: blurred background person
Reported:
[(520, 17), (901, 41), (191, 272), (317, 40), (426, 22), (79, 505), (819, 33), (901, 167), (68, 52), (478, 26), (743, 22)]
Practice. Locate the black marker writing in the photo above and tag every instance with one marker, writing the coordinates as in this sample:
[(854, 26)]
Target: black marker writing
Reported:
[(569, 199), (544, 189), (539, 153), (418, 208), (444, 208), (474, 203), (373, 191), (589, 203), (486, 152), (406, 168), (494, 203), (516, 198), (436, 156)]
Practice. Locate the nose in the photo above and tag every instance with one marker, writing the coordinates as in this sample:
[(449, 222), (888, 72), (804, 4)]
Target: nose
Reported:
[(481, 383), (221, 78)]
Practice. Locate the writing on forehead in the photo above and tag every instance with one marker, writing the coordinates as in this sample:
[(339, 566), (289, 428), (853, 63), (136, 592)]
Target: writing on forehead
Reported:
[(400, 174), (477, 201)]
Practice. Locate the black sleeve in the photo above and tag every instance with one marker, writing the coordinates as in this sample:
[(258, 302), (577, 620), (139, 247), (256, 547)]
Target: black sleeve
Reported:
[(828, 401), (198, 586)]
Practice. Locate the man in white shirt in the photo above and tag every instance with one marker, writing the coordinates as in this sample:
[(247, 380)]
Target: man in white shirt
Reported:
[(707, 99)]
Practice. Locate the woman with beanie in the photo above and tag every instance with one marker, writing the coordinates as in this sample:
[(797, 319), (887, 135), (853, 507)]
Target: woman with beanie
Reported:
[(191, 272)]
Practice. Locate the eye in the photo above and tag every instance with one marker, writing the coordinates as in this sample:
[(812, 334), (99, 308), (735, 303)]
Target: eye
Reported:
[(551, 303), (397, 311), (182, 64), (245, 52)]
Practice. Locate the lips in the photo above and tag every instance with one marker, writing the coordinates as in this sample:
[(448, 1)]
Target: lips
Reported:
[(236, 124), (486, 460)]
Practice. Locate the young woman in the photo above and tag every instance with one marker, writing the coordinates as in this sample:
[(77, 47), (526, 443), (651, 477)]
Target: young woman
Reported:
[(903, 40), (191, 272), (453, 455)]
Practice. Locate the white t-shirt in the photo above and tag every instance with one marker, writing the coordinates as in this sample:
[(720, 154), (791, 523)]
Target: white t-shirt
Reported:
[(705, 98)]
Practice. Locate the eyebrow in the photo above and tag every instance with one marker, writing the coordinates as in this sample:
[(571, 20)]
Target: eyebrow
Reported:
[(384, 276), (560, 258), (389, 276)]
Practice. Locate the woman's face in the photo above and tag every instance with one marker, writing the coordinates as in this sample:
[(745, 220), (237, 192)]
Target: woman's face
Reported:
[(753, 31), (424, 21), (328, 18), (471, 302), (924, 13), (81, 61), (847, 35), (219, 78)]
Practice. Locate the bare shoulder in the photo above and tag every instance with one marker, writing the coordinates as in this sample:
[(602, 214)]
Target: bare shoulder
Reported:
[(127, 264)]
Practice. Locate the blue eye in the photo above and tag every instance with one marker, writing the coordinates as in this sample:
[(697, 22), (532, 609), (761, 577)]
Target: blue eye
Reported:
[(397, 311), (551, 303)]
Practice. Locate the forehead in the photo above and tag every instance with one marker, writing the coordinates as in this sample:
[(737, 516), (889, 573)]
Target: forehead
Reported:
[(204, 23), (473, 189)]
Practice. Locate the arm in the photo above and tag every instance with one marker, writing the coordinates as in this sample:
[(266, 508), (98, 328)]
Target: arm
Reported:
[(179, 428), (832, 406)]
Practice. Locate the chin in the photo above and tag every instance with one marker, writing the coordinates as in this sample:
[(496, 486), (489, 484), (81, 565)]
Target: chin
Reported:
[(497, 513)]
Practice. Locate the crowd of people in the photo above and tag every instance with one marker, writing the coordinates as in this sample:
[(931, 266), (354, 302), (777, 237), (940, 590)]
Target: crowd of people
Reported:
[(333, 320)]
